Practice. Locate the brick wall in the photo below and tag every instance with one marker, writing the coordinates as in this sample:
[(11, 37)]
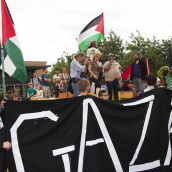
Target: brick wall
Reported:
[(38, 72), (34, 63)]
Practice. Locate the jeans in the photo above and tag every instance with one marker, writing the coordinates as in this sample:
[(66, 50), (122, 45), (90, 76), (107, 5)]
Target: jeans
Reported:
[(139, 85), (113, 85), (76, 91)]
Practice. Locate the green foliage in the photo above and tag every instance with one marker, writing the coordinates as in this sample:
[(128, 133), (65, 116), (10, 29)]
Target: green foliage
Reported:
[(153, 50), (162, 70), (63, 61), (114, 44), (156, 51)]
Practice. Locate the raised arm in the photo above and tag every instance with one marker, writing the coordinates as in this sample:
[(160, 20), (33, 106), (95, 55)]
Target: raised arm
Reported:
[(103, 49), (108, 65)]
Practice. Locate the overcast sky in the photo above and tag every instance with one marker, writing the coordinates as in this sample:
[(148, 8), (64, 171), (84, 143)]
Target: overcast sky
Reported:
[(46, 28)]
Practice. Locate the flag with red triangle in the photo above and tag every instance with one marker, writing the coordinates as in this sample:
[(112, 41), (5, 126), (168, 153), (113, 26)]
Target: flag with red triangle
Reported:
[(13, 58), (126, 73), (93, 30), (147, 65)]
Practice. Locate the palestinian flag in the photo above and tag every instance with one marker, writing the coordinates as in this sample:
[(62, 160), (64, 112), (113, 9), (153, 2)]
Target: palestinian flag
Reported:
[(13, 58), (147, 65), (94, 30)]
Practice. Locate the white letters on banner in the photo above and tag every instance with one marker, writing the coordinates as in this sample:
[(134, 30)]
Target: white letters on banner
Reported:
[(64, 152)]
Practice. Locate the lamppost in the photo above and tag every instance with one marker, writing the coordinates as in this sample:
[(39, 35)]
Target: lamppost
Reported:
[(169, 43)]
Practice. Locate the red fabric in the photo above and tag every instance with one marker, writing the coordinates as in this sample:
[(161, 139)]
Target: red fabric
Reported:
[(126, 73), (127, 88), (100, 27), (147, 65), (8, 30)]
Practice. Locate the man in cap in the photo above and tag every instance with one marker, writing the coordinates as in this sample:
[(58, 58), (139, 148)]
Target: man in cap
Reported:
[(111, 68), (92, 49)]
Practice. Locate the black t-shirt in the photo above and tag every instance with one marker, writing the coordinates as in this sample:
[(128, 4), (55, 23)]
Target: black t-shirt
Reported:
[(125, 87)]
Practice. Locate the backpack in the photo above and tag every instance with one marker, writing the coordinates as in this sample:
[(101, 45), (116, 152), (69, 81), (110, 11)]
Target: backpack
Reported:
[(38, 81)]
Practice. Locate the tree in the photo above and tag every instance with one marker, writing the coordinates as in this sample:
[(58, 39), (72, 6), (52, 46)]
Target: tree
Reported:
[(149, 49), (114, 44), (63, 61)]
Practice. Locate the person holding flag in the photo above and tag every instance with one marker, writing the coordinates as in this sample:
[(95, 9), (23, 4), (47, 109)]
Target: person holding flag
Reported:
[(92, 33), (92, 49)]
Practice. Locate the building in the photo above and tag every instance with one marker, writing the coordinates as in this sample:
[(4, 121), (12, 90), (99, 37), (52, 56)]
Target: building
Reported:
[(31, 66)]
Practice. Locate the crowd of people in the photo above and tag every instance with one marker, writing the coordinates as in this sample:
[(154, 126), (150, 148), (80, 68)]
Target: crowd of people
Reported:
[(89, 66), (138, 81), (79, 84)]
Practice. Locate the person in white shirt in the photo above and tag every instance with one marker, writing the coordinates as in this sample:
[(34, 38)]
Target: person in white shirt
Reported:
[(150, 81), (56, 81), (39, 93), (92, 49)]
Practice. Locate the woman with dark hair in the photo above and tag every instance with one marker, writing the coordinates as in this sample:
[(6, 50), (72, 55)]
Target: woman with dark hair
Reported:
[(94, 70), (4, 145)]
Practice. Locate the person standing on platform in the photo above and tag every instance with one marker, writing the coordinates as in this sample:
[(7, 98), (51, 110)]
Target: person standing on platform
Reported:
[(46, 83), (5, 145), (36, 80), (111, 76), (56, 81), (65, 77), (94, 70), (92, 49), (77, 71), (138, 73)]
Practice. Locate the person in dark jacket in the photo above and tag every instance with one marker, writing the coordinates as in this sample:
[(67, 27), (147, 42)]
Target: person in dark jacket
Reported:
[(138, 73), (4, 145)]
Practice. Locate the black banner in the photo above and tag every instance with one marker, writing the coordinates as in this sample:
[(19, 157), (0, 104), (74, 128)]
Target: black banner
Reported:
[(87, 134)]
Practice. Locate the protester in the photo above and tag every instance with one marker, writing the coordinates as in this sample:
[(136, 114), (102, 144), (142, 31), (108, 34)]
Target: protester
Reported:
[(16, 96), (35, 80), (138, 73), (127, 86), (150, 81), (4, 144), (39, 93), (65, 77), (9, 96), (103, 95), (84, 87), (77, 71), (56, 81), (112, 76), (95, 73), (31, 91), (46, 83), (92, 50), (9, 92)]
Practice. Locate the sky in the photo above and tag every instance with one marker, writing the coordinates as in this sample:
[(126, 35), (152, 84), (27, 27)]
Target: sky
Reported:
[(47, 28)]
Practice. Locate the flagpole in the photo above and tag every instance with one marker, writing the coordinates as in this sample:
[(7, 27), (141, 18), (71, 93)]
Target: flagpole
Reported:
[(3, 74), (147, 67)]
